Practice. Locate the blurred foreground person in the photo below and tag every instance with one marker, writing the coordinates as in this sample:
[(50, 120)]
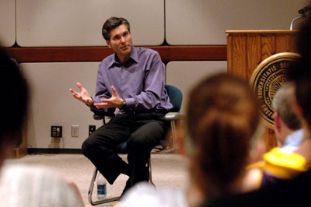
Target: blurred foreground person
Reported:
[(20, 184), (222, 117)]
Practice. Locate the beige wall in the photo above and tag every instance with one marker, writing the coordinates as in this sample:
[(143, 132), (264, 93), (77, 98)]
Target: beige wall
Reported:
[(7, 22), (35, 23), (204, 21), (79, 22)]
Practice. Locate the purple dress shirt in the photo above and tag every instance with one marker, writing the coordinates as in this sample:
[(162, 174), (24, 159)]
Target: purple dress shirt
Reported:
[(139, 81)]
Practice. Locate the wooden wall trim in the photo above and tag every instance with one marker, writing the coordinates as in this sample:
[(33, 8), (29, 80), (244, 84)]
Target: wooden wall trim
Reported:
[(85, 54)]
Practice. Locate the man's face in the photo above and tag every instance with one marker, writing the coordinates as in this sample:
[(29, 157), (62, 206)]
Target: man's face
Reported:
[(120, 41)]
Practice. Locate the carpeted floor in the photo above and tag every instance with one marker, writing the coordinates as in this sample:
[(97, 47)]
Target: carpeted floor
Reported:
[(168, 170)]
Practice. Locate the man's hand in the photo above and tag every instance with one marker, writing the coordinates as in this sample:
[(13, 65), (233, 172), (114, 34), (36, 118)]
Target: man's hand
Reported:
[(83, 95), (115, 101)]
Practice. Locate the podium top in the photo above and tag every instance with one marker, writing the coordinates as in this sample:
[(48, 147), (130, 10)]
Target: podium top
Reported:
[(261, 31)]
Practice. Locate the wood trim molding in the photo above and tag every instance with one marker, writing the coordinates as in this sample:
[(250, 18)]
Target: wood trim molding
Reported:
[(86, 54)]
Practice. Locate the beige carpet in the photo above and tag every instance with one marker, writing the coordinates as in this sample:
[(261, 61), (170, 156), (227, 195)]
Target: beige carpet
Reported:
[(168, 170)]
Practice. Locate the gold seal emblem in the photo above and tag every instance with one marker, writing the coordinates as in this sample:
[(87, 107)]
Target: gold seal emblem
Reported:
[(267, 78)]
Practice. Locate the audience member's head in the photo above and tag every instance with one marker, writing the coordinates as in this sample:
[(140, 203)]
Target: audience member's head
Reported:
[(285, 118), (13, 104), (222, 117)]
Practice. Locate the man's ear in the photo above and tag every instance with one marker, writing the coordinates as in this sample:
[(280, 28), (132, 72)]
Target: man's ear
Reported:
[(108, 43), (297, 108), (277, 121)]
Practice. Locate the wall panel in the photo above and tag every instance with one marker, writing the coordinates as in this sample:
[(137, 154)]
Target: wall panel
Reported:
[(184, 74), (52, 103), (201, 22), (7, 22), (79, 22)]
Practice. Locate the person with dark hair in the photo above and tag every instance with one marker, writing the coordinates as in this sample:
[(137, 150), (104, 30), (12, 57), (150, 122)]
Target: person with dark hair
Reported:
[(21, 184), (221, 127), (221, 120), (16, 91), (295, 191), (111, 24), (130, 83)]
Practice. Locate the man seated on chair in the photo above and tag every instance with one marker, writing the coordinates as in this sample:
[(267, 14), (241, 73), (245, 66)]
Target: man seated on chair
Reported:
[(131, 81)]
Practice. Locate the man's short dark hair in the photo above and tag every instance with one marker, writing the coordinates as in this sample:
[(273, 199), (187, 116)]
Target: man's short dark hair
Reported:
[(112, 23)]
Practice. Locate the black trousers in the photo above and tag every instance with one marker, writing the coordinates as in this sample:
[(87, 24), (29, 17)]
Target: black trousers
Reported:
[(141, 132)]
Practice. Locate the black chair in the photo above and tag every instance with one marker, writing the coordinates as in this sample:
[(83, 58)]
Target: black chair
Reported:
[(176, 97)]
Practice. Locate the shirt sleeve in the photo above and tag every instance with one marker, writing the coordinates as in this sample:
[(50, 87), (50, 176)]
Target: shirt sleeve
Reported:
[(101, 89)]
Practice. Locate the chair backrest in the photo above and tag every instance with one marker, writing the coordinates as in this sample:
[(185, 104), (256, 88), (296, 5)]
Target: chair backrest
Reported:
[(175, 96)]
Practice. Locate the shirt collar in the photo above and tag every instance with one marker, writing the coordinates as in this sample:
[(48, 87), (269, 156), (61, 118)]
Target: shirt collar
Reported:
[(133, 57)]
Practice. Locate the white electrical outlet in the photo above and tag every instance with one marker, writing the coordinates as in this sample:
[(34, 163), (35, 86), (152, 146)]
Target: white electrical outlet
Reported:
[(75, 130)]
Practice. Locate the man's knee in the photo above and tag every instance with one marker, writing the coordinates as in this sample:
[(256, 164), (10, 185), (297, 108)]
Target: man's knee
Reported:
[(87, 147), (141, 144)]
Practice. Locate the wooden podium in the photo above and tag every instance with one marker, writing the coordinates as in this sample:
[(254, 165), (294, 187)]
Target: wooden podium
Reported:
[(246, 49)]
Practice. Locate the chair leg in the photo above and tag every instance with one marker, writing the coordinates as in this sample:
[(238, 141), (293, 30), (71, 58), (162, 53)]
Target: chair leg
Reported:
[(150, 171), (174, 135), (91, 189), (171, 145), (111, 199)]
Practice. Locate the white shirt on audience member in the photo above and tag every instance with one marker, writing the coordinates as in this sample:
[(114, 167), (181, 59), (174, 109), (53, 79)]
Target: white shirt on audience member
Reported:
[(23, 185), (293, 141), (145, 194)]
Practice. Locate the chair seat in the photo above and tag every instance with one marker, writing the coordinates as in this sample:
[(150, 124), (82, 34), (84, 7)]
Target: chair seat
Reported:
[(122, 148)]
